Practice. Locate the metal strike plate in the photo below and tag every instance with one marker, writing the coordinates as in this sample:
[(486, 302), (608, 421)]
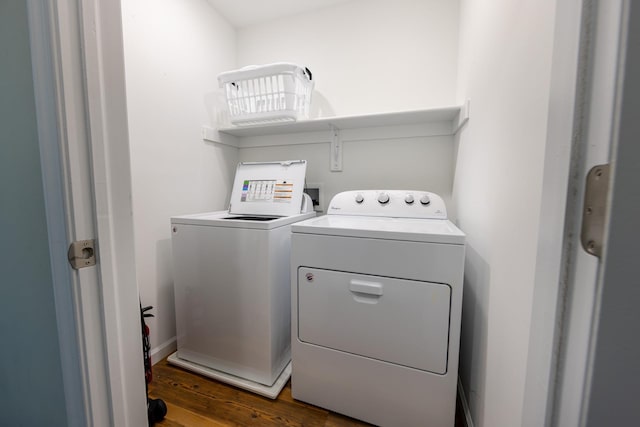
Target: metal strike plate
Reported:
[(82, 254), (594, 211)]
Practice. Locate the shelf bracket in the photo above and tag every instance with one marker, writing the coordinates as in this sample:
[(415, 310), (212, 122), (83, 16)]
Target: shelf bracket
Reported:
[(212, 135), (336, 150), (462, 118)]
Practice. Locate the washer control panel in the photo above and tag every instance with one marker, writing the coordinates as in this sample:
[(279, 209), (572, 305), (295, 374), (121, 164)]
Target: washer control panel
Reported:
[(389, 203)]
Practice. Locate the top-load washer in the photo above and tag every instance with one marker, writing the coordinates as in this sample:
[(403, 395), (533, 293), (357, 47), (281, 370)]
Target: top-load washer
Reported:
[(232, 283), (376, 306)]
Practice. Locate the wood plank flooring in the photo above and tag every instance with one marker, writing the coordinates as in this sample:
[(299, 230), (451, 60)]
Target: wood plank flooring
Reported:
[(196, 401)]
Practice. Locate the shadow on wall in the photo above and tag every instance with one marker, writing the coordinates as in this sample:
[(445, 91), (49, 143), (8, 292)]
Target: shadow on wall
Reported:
[(215, 104), (226, 160), (320, 106), (473, 341), (164, 312)]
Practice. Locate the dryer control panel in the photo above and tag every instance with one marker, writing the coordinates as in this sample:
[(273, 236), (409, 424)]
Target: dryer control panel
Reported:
[(389, 203)]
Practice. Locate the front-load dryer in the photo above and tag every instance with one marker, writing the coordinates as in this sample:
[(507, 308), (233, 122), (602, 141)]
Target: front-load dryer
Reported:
[(232, 282), (376, 308)]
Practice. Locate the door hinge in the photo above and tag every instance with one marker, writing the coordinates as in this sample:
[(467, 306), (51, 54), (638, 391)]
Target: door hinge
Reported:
[(82, 254), (595, 209)]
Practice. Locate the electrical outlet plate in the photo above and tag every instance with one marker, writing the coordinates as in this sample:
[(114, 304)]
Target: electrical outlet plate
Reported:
[(315, 191)]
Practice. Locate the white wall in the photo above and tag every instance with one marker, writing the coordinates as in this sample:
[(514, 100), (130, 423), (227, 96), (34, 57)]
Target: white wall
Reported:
[(504, 68), (174, 50), (367, 56), (410, 163)]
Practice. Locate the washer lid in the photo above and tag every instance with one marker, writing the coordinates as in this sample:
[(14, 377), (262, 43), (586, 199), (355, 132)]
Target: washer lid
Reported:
[(224, 219), (406, 229), (268, 188)]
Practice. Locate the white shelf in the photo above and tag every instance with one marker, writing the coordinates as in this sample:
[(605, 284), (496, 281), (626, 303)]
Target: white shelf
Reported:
[(401, 124), (446, 114)]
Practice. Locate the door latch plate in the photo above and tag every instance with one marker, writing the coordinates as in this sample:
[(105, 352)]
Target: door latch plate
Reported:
[(594, 211), (82, 254)]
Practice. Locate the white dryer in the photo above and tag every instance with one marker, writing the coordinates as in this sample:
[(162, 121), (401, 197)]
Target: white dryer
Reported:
[(376, 306), (232, 283)]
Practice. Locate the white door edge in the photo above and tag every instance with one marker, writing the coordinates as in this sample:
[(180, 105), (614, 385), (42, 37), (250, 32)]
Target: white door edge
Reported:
[(73, 162), (71, 353), (613, 369)]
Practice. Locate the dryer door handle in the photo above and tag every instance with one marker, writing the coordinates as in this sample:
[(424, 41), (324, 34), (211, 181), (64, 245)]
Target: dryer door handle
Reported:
[(364, 287)]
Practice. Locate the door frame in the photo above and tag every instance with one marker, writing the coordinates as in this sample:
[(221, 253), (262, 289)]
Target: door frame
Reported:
[(605, 34), (89, 79), (106, 108), (556, 213), (586, 70), (79, 69), (64, 283)]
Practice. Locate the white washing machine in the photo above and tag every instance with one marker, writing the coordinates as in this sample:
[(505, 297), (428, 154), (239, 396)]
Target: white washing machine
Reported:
[(232, 283), (376, 306)]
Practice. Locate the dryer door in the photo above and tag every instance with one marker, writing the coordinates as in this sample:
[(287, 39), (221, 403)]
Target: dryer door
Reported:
[(405, 322)]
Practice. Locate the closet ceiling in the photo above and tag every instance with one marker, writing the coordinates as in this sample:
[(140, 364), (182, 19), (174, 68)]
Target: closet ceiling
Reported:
[(241, 13)]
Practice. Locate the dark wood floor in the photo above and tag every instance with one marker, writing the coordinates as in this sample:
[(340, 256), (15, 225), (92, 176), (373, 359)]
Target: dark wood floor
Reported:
[(196, 401)]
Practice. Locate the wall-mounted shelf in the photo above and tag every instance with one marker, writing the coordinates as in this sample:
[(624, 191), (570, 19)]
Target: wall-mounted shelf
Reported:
[(401, 124)]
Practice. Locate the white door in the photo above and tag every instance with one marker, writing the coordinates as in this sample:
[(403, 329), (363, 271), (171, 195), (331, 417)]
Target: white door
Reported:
[(36, 372), (79, 88)]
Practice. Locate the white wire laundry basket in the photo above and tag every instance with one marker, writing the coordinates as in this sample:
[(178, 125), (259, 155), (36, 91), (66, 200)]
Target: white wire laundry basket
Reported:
[(278, 92)]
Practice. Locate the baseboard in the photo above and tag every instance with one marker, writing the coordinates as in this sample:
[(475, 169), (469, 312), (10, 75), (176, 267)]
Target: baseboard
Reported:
[(465, 405), (163, 350)]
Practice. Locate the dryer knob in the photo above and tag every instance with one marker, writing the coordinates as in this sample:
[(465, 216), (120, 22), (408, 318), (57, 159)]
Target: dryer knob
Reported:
[(425, 200), (409, 199), (359, 198), (383, 198)]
